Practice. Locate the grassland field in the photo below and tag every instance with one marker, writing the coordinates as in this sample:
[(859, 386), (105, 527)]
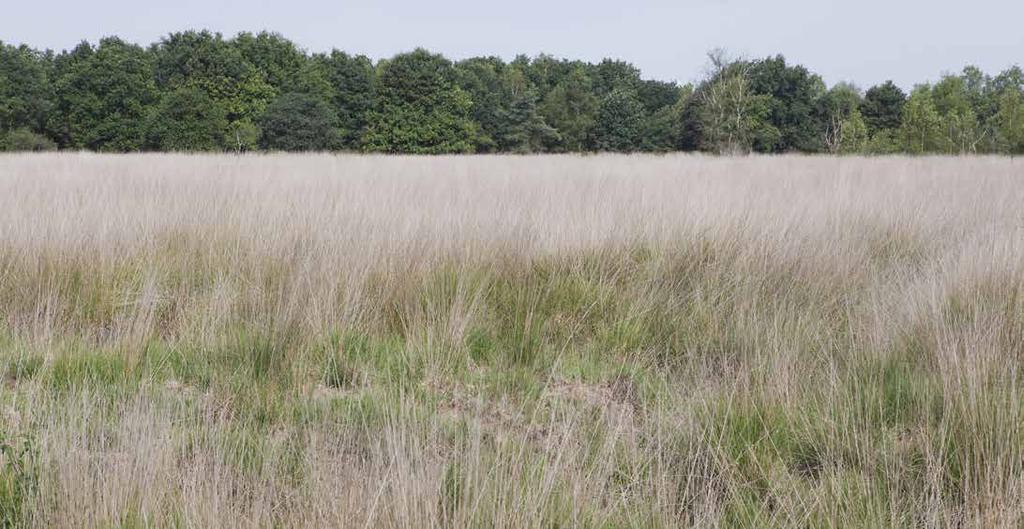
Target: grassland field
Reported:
[(213, 341)]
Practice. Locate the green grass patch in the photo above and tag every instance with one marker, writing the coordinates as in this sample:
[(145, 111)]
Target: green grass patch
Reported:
[(107, 371), (18, 478)]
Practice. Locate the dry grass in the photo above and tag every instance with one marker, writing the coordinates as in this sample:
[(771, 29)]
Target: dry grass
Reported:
[(604, 341)]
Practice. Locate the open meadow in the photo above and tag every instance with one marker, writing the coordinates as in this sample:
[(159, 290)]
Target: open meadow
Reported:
[(605, 341)]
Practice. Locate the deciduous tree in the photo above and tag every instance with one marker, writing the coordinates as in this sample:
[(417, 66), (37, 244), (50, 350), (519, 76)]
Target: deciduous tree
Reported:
[(103, 96), (187, 119), (351, 79), (205, 61), (1009, 121), (299, 122), (921, 130), (419, 108), (620, 122), (883, 107), (793, 93), (729, 116), (571, 108), (26, 93), (839, 109)]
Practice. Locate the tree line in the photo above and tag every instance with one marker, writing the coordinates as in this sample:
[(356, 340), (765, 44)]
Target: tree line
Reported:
[(197, 91)]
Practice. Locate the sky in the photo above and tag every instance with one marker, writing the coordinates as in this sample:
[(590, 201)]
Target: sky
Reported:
[(864, 42)]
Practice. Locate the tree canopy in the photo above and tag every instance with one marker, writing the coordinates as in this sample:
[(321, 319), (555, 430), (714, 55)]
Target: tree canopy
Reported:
[(299, 122), (199, 91), (187, 119), (419, 108), (102, 96)]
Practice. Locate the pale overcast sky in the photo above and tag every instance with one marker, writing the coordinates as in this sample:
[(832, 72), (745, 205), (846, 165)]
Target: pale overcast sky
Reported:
[(864, 41)]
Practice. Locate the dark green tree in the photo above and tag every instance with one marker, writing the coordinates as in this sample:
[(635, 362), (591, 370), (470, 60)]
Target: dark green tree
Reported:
[(620, 122), (198, 58), (792, 108), (504, 106), (609, 75), (523, 129), (194, 90), (545, 72), (26, 94), (419, 108), (571, 108), (656, 95), (205, 61), (351, 79), (280, 63), (187, 119), (299, 122), (481, 78), (103, 96), (663, 128), (526, 131), (883, 107)]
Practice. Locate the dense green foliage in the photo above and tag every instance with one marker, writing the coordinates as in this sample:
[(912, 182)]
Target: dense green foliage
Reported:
[(197, 91), (298, 122), (349, 82), (620, 120), (187, 119), (102, 96), (419, 108)]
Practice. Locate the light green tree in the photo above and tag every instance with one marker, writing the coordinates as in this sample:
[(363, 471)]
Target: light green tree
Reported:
[(921, 129), (853, 134), (883, 141), (732, 116), (25, 140), (837, 109), (1009, 121), (952, 97)]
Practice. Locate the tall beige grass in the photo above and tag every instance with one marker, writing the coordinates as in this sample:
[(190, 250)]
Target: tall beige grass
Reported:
[(597, 341)]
